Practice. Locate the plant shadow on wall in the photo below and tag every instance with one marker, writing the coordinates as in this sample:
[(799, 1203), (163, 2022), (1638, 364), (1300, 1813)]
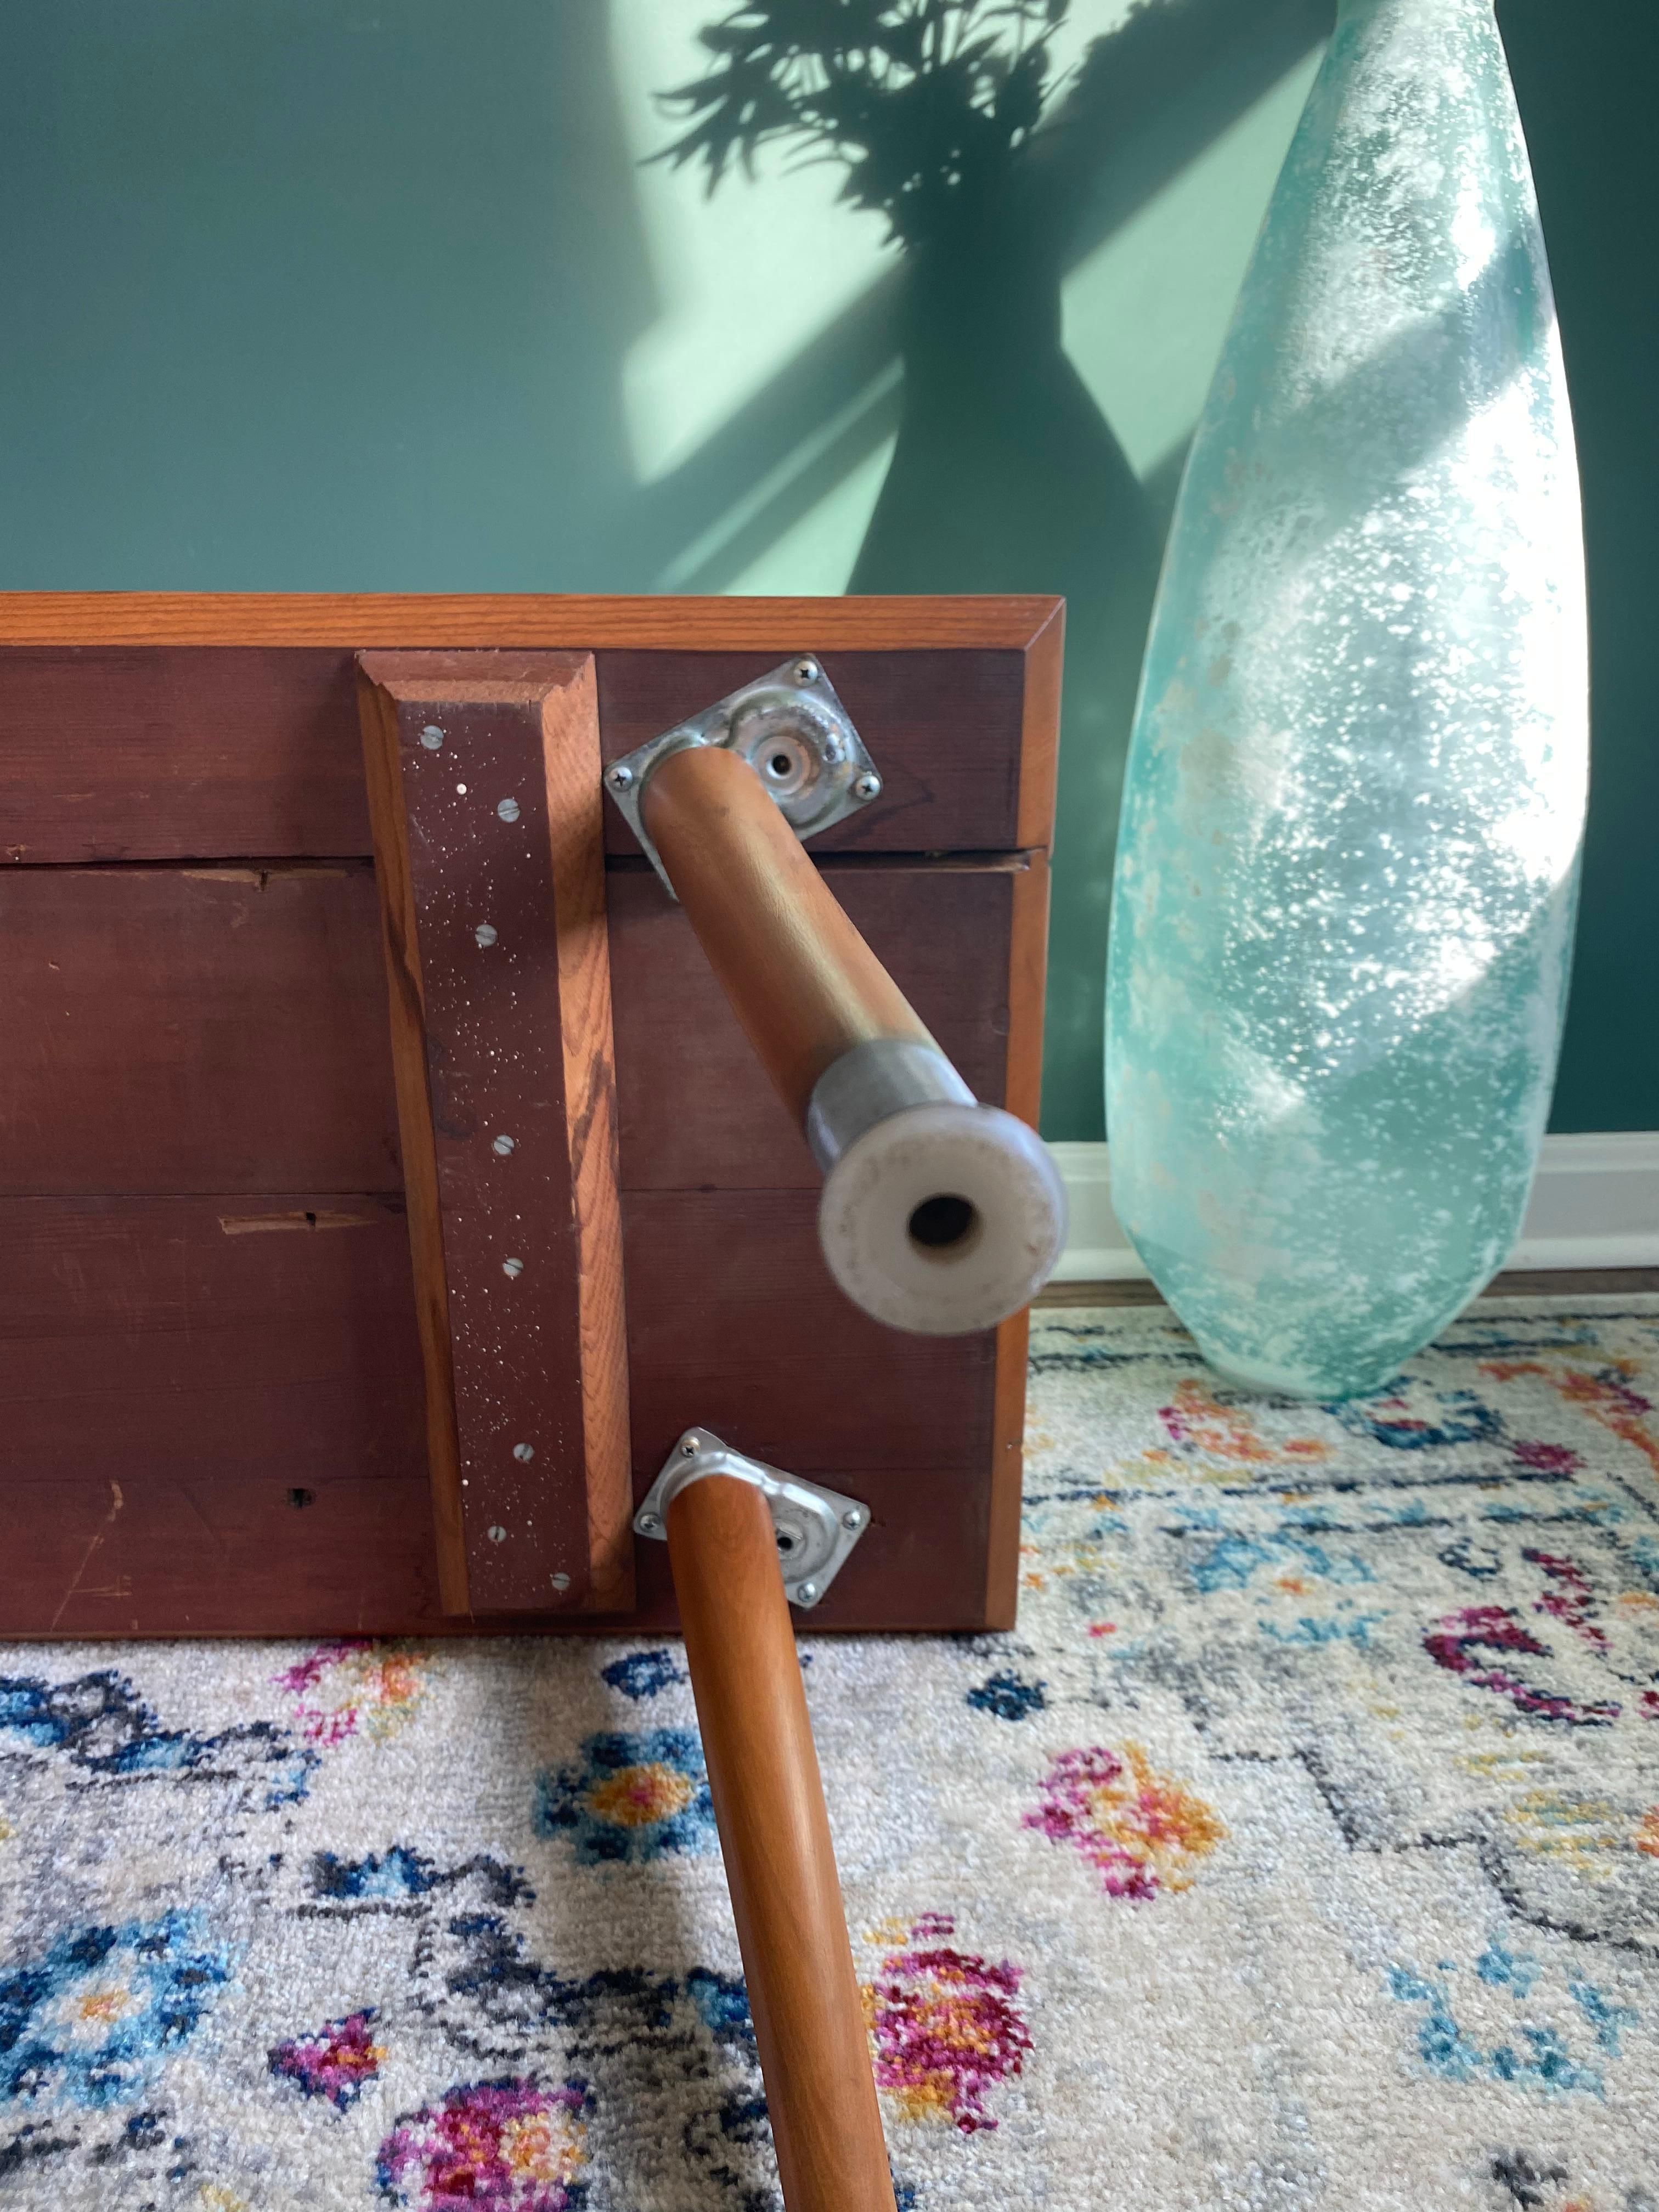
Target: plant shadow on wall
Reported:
[(951, 121)]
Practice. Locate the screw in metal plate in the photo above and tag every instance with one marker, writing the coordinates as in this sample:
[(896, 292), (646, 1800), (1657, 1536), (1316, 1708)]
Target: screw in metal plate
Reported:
[(805, 671), (513, 1269), (649, 1524), (509, 809), (807, 1593), (523, 1451), (691, 1447), (432, 737), (620, 777), (867, 786), (502, 1146), (497, 1535), (484, 935), (852, 1519), (560, 1582)]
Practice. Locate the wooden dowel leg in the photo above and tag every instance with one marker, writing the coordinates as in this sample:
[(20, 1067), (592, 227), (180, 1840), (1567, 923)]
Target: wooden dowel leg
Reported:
[(939, 1215), (779, 1863)]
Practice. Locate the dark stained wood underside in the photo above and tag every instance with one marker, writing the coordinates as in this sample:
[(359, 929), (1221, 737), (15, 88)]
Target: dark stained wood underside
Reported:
[(136, 753), (209, 1372), (223, 1029)]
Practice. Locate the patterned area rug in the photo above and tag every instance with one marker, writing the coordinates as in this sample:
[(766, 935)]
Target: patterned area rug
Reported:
[(1300, 1849)]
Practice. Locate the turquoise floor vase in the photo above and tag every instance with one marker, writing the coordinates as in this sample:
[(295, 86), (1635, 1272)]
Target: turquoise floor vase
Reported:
[(1342, 918)]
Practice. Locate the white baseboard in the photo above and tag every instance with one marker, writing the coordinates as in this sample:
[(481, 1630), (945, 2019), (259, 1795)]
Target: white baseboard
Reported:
[(1594, 1204)]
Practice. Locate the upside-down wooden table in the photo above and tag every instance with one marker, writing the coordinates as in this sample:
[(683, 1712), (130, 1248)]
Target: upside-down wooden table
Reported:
[(401, 1234)]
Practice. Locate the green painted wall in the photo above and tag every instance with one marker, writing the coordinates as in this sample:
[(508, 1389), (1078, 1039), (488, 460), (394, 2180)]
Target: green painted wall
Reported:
[(340, 294)]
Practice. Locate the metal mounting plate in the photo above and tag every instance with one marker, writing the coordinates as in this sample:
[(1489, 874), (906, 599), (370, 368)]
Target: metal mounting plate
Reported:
[(795, 733), (816, 1528)]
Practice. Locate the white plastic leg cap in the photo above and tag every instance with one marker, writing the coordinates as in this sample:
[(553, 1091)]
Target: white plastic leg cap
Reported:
[(943, 1219)]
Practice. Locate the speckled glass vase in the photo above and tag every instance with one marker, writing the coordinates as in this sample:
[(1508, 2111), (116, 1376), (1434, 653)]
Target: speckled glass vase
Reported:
[(1342, 917)]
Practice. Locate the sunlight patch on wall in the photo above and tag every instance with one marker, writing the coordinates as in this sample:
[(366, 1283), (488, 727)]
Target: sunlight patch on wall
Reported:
[(747, 278), (814, 549), (1145, 314), (816, 554)]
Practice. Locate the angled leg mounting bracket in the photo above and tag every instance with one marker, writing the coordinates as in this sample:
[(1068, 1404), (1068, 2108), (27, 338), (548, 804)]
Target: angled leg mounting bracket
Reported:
[(816, 1529), (793, 732)]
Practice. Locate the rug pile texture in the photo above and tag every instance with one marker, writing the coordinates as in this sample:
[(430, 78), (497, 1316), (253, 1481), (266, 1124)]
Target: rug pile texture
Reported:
[(1301, 1848)]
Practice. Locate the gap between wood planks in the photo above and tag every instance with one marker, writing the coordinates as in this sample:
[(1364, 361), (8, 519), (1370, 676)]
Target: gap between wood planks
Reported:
[(244, 868)]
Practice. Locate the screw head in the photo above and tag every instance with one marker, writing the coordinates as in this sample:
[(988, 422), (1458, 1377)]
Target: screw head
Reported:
[(513, 1269), (507, 808), (649, 1523), (806, 1593), (432, 737), (484, 935), (868, 785), (805, 670), (497, 1535), (620, 777), (524, 1453), (502, 1146), (560, 1582), (691, 1447), (852, 1518)]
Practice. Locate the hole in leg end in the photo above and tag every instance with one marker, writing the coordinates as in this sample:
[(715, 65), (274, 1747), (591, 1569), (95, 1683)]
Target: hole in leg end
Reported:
[(943, 1224)]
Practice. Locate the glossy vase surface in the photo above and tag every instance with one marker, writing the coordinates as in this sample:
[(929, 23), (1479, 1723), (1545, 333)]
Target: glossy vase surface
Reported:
[(1342, 916)]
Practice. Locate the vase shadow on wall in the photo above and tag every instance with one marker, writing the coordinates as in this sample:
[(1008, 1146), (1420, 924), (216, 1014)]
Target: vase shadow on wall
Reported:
[(1006, 477), (990, 169)]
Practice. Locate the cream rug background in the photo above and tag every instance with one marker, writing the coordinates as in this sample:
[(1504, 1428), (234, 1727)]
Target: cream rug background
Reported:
[(1300, 1849)]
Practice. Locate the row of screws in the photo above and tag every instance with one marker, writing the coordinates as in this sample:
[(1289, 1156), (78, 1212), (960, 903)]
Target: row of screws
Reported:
[(432, 737), (867, 786), (485, 936)]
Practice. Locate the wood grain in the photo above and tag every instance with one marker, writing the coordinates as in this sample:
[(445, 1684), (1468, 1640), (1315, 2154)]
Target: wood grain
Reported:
[(1028, 959), (110, 754), (576, 805), (1039, 735), (780, 1861), (212, 1357), (214, 1029), (208, 752), (363, 619), (406, 1029), (733, 1321), (215, 1340), (156, 1554), (175, 1029), (196, 1298), (528, 1238)]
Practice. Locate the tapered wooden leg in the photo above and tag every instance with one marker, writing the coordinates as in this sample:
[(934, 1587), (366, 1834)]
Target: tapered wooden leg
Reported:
[(780, 1863)]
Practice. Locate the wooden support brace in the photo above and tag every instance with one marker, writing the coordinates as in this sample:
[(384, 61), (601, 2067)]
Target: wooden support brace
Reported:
[(484, 795)]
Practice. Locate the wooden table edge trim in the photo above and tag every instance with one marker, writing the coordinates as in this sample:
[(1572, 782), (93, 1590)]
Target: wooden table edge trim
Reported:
[(1028, 962), (574, 622)]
